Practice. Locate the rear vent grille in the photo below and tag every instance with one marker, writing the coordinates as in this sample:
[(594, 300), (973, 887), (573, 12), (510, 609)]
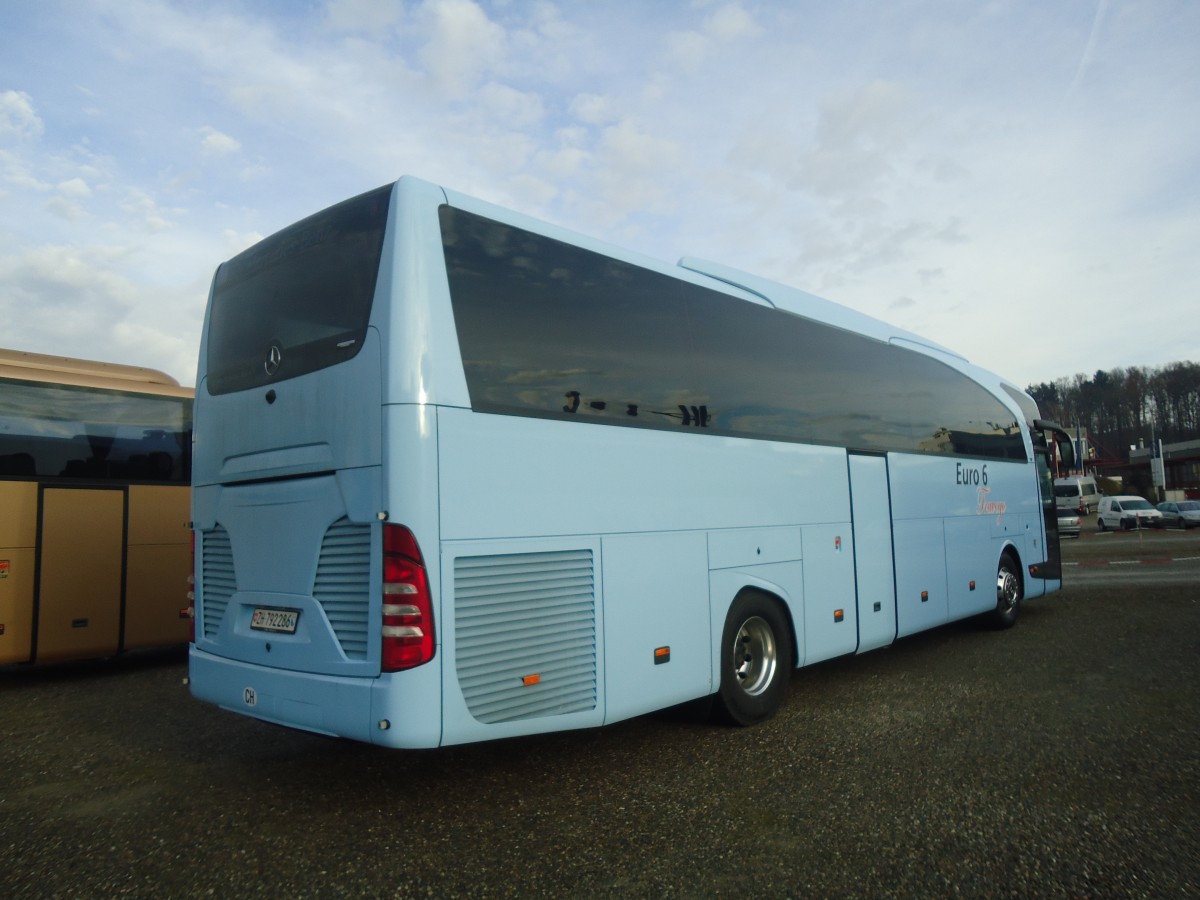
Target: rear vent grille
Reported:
[(525, 634), (343, 584), (217, 579)]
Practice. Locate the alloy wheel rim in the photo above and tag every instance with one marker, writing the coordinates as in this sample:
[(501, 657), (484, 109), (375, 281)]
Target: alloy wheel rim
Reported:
[(1007, 590), (755, 656)]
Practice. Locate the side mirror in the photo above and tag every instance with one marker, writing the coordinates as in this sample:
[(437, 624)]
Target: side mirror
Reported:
[(1066, 447), (1066, 452)]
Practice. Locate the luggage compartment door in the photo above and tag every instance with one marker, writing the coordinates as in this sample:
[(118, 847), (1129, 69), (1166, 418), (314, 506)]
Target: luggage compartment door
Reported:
[(80, 570)]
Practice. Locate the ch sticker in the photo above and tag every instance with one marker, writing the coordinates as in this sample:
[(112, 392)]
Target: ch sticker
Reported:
[(250, 696)]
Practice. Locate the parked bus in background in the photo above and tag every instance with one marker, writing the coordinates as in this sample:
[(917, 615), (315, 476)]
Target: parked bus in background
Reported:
[(95, 461), (461, 475)]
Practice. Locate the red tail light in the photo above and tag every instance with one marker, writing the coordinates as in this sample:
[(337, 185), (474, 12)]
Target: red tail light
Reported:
[(408, 638)]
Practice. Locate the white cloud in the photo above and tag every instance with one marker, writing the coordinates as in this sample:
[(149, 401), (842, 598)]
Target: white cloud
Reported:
[(18, 172), (630, 160), (463, 45), (631, 146), (518, 110), (859, 137), (74, 187), (145, 211), (62, 291), (75, 301), (17, 116), (216, 143), (65, 209), (255, 172), (593, 109), (689, 49), (565, 160), (730, 23), (363, 15)]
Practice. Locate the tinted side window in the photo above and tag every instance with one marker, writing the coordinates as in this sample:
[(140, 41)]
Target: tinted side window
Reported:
[(306, 290), (95, 435), (950, 413), (549, 329), (552, 330)]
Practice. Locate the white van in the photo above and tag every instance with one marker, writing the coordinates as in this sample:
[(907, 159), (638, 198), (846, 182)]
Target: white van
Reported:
[(1079, 492), (1127, 512)]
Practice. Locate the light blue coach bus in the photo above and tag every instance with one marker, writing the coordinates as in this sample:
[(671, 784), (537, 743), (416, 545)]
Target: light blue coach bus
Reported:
[(461, 475)]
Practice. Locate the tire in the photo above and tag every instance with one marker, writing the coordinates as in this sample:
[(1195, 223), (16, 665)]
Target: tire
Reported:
[(1100, 524), (1010, 590), (756, 658)]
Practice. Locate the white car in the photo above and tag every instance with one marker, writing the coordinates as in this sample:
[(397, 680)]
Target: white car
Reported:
[(1127, 512), (1181, 513)]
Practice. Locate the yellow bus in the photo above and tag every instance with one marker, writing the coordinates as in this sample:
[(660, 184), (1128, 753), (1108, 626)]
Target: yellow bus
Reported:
[(95, 465)]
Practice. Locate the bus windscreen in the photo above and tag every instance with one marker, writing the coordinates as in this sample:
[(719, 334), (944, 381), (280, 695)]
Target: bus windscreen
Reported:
[(299, 300)]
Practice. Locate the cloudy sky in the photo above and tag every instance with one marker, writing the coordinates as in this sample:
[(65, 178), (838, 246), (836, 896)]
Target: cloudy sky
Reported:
[(1016, 180)]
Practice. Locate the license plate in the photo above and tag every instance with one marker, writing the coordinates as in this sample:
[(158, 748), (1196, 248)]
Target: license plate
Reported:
[(267, 618)]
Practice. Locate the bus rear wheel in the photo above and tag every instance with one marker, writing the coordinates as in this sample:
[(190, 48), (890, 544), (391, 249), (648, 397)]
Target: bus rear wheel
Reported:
[(1009, 593), (756, 656)]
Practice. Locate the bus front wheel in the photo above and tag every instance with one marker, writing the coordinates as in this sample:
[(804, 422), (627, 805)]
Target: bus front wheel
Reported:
[(756, 655), (1009, 593)]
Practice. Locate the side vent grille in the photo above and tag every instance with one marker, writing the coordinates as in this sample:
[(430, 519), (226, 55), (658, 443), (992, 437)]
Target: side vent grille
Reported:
[(217, 579), (343, 584), (525, 634)]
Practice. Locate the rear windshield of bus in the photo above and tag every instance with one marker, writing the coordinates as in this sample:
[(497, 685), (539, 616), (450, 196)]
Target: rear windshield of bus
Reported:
[(299, 300)]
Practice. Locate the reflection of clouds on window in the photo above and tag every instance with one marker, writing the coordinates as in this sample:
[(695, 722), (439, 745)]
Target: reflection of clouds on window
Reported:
[(494, 242), (48, 430), (308, 289), (535, 399), (565, 332), (548, 376)]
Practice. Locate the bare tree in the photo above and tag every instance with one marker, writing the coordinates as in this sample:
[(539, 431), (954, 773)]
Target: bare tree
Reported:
[(1123, 407)]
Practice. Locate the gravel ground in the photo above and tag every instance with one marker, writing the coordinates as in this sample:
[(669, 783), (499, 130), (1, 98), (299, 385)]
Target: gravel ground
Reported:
[(1056, 759)]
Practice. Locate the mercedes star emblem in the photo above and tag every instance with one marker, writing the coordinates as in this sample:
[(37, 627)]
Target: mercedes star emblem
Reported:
[(274, 358)]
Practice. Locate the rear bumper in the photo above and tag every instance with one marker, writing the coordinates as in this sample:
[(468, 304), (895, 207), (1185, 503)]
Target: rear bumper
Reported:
[(362, 709)]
